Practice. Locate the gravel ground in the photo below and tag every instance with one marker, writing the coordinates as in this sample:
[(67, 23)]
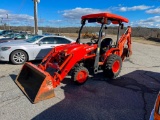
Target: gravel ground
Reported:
[(130, 97)]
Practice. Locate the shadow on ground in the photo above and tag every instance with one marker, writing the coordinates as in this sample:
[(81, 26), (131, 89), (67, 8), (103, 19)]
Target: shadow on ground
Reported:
[(4, 62), (129, 97), (34, 62), (154, 39)]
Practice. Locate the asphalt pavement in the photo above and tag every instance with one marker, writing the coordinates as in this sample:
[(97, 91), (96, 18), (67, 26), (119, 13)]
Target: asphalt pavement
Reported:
[(129, 97)]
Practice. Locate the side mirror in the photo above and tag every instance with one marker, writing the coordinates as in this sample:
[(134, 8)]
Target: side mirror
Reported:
[(122, 26), (105, 27), (40, 43)]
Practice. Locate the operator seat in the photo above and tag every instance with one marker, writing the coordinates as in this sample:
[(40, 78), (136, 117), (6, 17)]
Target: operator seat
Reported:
[(105, 45)]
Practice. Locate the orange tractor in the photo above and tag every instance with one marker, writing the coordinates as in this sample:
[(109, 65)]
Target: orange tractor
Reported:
[(38, 82)]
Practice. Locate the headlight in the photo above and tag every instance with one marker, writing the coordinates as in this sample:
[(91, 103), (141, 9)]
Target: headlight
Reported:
[(5, 48)]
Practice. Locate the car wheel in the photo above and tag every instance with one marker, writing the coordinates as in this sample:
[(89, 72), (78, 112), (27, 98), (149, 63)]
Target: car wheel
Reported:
[(18, 57)]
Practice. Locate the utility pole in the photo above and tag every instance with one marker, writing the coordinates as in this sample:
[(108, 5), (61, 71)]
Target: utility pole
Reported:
[(35, 16), (1, 21)]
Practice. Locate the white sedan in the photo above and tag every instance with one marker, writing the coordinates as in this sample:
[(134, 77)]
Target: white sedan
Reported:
[(35, 48)]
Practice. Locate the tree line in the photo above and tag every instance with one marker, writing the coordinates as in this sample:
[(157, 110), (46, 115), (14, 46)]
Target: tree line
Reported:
[(136, 31)]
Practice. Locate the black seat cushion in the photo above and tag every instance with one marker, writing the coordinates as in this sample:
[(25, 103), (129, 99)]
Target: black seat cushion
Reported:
[(105, 45)]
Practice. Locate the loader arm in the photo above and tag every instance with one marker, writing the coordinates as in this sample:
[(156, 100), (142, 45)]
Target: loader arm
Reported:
[(69, 60), (52, 53)]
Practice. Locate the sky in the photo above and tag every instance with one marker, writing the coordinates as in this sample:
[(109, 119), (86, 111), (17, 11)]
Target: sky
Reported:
[(67, 13)]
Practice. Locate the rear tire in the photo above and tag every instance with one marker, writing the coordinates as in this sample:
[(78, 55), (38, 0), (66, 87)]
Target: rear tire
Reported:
[(18, 57), (80, 75), (113, 66)]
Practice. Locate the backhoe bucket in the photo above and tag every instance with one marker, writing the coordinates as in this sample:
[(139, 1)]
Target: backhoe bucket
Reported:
[(35, 83)]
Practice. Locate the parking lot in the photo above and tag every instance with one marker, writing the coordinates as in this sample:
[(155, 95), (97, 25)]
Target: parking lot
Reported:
[(129, 97)]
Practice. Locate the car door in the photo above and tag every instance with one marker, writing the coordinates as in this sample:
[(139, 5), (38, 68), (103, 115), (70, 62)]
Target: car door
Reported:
[(46, 44)]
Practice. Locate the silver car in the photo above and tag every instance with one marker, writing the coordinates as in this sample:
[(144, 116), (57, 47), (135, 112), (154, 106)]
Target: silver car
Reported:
[(35, 48)]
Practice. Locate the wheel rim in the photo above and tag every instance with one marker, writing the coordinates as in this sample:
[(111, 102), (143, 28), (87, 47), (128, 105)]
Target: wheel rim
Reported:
[(116, 66), (81, 76), (19, 57)]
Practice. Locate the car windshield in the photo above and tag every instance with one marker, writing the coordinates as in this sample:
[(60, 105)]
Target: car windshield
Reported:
[(15, 35), (33, 39), (11, 35)]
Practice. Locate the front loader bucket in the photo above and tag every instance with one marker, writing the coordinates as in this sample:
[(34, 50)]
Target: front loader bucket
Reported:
[(35, 83)]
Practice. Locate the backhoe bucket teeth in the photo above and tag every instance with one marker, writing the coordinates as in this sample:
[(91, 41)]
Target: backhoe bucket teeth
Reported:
[(35, 83)]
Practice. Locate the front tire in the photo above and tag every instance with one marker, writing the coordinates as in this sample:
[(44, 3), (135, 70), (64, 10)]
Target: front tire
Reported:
[(113, 66), (18, 57), (80, 75)]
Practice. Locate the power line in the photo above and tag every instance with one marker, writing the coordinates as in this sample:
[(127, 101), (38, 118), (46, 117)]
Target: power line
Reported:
[(21, 6)]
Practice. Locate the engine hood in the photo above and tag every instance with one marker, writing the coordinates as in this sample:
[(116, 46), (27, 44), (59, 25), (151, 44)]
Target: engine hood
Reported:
[(72, 48)]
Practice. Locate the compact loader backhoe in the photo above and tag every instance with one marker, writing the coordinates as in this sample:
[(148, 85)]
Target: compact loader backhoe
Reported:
[(38, 82)]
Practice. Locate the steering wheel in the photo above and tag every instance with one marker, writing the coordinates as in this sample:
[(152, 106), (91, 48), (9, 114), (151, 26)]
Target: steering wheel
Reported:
[(94, 41)]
